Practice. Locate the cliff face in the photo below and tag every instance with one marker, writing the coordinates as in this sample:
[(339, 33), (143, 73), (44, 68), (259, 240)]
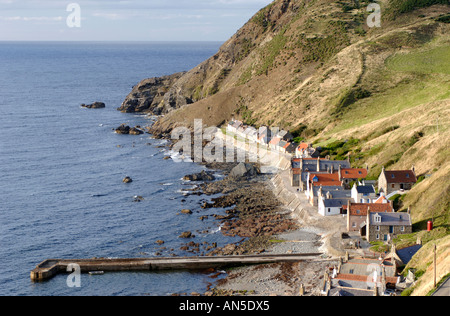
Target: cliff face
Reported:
[(154, 95)]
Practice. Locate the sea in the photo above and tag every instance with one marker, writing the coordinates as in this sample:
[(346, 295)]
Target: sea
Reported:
[(62, 166)]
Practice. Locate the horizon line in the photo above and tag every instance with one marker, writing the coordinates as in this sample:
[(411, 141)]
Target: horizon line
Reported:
[(113, 41)]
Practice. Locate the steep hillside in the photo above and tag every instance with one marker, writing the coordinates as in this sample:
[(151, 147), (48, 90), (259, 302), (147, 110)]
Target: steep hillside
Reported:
[(378, 95)]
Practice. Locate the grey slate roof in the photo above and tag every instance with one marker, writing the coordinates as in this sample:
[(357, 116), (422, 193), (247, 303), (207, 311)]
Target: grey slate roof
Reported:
[(335, 202), (391, 219), (365, 189)]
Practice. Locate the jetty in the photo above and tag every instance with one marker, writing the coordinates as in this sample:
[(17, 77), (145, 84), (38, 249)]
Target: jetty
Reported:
[(52, 267)]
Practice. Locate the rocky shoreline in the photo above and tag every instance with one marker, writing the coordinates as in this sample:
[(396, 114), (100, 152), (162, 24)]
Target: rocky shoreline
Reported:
[(254, 213)]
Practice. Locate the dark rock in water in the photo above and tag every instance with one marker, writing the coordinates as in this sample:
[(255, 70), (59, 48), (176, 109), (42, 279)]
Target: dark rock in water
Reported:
[(244, 170), (95, 105), (160, 242), (126, 130), (136, 131), (188, 212), (127, 180), (123, 129), (186, 235), (138, 199), (202, 176)]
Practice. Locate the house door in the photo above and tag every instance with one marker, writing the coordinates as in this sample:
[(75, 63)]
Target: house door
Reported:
[(391, 229), (363, 231), (385, 237)]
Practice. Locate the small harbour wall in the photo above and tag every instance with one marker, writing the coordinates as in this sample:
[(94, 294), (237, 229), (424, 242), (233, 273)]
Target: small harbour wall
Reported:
[(52, 267)]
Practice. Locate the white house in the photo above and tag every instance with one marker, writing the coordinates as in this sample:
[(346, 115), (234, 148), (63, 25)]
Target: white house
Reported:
[(252, 134), (332, 202)]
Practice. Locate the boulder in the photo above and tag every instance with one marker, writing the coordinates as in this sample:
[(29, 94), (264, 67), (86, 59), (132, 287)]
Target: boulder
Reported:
[(188, 212), (138, 198), (244, 170), (126, 130), (127, 180), (135, 131), (186, 235), (123, 129), (95, 105), (202, 176)]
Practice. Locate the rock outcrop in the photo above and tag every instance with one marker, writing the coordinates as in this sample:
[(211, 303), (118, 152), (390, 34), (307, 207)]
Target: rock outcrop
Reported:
[(155, 95), (95, 105), (202, 176), (244, 170), (126, 130)]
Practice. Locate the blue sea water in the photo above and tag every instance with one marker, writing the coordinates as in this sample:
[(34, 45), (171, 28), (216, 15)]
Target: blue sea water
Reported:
[(61, 168)]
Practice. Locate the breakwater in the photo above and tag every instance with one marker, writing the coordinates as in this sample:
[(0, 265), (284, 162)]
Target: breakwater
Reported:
[(52, 267)]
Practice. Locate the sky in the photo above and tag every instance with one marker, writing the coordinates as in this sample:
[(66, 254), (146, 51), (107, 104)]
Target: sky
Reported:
[(124, 20)]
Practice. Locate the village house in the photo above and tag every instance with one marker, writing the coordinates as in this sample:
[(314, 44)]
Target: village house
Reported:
[(305, 150), (363, 193), (382, 200), (251, 134), (364, 277), (387, 226), (357, 215), (349, 175), (233, 126), (289, 148), (274, 143), (285, 135), (331, 201), (300, 167), (264, 135), (316, 181), (396, 180), (281, 145)]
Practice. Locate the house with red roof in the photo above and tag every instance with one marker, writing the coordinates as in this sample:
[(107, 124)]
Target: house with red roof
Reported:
[(305, 150), (319, 180), (396, 180), (357, 214), (349, 175), (274, 143)]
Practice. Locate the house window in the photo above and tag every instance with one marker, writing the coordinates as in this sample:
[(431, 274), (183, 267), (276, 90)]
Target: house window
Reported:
[(329, 210), (358, 212), (403, 228), (378, 236), (378, 228), (353, 224), (377, 219)]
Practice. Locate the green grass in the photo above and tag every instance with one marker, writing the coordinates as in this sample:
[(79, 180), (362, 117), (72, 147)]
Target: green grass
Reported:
[(406, 95), (379, 246), (398, 7), (271, 52), (436, 60), (408, 240)]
